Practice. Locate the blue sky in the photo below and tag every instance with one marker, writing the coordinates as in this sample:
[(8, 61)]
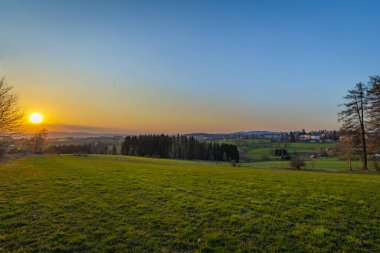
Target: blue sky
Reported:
[(184, 66)]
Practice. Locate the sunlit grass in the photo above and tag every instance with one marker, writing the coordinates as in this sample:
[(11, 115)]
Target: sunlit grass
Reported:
[(119, 204)]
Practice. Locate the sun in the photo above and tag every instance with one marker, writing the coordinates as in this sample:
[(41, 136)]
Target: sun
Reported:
[(36, 118)]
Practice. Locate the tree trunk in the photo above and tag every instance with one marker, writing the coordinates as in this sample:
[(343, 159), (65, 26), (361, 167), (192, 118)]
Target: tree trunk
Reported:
[(349, 163), (365, 158)]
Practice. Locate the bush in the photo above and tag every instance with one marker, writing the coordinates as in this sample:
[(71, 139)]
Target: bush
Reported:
[(297, 164)]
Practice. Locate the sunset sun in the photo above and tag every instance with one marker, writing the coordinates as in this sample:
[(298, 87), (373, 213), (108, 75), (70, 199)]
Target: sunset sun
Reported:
[(36, 118)]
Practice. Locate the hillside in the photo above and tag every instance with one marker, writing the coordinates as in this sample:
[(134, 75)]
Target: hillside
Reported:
[(115, 203)]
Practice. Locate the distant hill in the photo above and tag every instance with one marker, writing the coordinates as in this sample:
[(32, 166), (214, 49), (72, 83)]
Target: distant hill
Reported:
[(77, 131), (97, 132), (243, 134), (57, 135)]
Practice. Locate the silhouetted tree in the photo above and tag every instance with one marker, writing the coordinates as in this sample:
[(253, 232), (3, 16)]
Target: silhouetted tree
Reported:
[(374, 114), (11, 114), (39, 140), (353, 117)]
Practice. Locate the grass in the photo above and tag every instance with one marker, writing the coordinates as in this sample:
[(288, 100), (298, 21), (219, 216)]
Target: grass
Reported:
[(330, 164), (256, 149), (119, 204)]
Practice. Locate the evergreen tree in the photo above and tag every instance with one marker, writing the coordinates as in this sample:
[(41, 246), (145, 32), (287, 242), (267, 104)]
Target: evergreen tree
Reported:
[(178, 147)]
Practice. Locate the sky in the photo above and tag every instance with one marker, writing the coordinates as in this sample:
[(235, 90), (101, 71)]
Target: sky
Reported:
[(188, 66)]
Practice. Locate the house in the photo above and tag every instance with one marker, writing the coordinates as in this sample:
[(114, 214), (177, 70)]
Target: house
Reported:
[(315, 138), (310, 138), (305, 137)]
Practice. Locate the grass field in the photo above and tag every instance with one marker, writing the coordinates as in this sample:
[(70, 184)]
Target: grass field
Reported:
[(328, 164), (119, 204), (255, 149)]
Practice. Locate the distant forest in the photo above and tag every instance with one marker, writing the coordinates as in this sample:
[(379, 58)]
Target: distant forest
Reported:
[(93, 148), (164, 146), (178, 147)]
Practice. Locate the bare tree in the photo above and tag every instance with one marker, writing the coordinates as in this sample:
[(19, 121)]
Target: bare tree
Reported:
[(11, 114), (39, 140), (353, 117), (348, 145), (374, 114)]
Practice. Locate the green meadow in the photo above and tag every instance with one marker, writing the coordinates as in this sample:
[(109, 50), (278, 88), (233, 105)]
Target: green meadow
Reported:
[(130, 204), (256, 149), (326, 164)]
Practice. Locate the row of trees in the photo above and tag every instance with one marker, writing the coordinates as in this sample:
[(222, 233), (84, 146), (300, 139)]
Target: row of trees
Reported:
[(178, 147), (360, 118), (89, 148)]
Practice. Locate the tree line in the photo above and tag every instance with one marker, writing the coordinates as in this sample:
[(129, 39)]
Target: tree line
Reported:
[(178, 147), (87, 148), (360, 119)]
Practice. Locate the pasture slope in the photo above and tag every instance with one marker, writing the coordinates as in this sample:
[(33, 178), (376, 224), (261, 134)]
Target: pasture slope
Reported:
[(129, 204)]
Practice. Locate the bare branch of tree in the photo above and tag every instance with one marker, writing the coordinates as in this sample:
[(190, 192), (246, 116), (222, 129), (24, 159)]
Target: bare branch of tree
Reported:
[(11, 114)]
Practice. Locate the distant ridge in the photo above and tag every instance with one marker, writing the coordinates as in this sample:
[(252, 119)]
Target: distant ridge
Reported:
[(78, 131), (57, 135), (56, 131), (201, 136), (242, 134)]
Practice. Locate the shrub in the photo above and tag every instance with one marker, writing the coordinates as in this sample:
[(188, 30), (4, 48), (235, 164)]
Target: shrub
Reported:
[(297, 164)]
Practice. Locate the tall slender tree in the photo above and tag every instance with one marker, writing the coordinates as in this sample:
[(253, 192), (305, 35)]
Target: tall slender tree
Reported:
[(374, 113), (353, 117)]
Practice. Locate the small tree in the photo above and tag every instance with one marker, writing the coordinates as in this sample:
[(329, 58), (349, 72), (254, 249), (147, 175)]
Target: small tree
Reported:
[(349, 147), (39, 140)]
